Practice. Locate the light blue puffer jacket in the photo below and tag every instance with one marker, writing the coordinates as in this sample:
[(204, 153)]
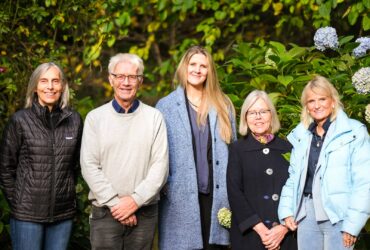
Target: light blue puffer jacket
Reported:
[(344, 174)]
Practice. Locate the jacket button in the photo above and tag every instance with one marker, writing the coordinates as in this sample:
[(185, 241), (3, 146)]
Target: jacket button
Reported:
[(266, 151), (217, 162), (269, 171), (275, 197), (217, 186)]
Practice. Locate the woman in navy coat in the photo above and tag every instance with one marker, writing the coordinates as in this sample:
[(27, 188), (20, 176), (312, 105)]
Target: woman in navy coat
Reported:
[(256, 174), (200, 125)]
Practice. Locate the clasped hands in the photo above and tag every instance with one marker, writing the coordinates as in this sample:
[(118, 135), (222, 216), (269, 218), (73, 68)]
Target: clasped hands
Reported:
[(125, 210), (271, 238)]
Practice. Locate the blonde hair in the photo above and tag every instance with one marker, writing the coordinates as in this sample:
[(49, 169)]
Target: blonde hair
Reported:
[(31, 94), (322, 86), (212, 93), (249, 102)]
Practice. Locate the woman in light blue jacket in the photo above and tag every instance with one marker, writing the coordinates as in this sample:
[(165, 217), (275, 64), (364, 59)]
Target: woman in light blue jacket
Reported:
[(327, 195), (200, 125)]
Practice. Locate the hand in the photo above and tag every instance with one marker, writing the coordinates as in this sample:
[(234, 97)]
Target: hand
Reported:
[(275, 236), (130, 221), (261, 230), (124, 209), (290, 223), (348, 239)]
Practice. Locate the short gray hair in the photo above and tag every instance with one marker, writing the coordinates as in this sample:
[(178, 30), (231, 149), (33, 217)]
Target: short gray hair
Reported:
[(31, 94), (322, 85), (126, 57), (248, 103)]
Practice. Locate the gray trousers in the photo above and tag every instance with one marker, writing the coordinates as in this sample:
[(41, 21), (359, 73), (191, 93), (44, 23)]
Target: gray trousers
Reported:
[(108, 233)]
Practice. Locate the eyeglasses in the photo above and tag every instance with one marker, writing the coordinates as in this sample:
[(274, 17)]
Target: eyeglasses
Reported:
[(253, 114), (131, 78)]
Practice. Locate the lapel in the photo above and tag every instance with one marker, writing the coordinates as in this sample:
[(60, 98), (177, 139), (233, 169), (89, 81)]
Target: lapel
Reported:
[(212, 115), (182, 112)]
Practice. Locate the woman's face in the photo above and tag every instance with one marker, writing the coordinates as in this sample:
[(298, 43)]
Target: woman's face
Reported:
[(49, 88), (259, 118), (319, 106), (197, 70)]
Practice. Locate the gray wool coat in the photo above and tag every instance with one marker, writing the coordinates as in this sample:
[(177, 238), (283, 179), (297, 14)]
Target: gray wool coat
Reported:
[(179, 215)]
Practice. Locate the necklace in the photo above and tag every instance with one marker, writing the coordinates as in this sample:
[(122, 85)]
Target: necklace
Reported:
[(318, 140), (196, 106)]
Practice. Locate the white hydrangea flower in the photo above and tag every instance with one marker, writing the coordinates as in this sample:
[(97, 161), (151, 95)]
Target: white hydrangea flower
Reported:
[(361, 49), (224, 217), (326, 38), (367, 113), (361, 80), (268, 61)]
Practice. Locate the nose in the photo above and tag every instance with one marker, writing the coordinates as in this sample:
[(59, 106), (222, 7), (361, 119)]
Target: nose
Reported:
[(50, 85)]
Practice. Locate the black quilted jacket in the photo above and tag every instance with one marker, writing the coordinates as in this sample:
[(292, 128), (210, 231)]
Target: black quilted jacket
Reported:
[(39, 156)]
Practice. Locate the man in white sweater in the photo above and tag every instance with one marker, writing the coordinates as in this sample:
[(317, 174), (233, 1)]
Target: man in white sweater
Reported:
[(124, 160)]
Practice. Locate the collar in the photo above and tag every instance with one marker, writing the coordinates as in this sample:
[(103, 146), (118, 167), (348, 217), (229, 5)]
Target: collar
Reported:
[(313, 125), (119, 109)]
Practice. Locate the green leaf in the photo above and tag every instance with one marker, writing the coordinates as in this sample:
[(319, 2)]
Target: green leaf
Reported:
[(220, 15), (366, 22), (285, 80), (352, 17), (286, 156), (344, 40), (278, 46)]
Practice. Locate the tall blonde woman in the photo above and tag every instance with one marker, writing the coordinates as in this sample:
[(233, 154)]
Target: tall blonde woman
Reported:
[(327, 195), (200, 123)]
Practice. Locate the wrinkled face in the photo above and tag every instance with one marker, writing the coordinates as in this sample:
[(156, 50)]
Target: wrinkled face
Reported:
[(197, 70), (319, 106), (259, 118), (49, 88), (125, 82)]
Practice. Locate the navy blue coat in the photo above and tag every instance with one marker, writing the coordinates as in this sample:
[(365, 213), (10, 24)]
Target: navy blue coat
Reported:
[(255, 176)]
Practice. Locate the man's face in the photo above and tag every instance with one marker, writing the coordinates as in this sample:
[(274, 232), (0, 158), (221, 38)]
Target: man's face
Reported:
[(125, 83)]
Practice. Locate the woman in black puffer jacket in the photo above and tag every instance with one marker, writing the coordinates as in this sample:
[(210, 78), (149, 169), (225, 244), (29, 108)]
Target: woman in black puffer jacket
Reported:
[(39, 156)]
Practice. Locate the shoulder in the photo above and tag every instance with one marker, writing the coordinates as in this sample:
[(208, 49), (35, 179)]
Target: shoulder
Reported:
[(282, 144), (100, 111), (167, 101), (149, 110)]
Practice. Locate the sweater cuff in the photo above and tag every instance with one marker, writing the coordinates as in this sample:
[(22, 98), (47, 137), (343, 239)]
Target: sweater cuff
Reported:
[(139, 201), (249, 222)]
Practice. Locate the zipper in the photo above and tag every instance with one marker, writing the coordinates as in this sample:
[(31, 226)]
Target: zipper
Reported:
[(52, 190)]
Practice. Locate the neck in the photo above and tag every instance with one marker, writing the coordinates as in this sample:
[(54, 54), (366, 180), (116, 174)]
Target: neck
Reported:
[(194, 94), (320, 127)]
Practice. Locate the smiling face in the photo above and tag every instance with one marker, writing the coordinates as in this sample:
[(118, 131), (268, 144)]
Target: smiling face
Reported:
[(124, 90), (49, 88), (197, 71), (259, 118), (319, 106)]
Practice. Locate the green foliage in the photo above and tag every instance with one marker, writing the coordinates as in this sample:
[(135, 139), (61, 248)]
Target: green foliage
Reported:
[(283, 71)]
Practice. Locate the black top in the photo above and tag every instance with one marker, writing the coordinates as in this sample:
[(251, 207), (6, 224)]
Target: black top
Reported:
[(39, 157), (256, 174), (315, 149)]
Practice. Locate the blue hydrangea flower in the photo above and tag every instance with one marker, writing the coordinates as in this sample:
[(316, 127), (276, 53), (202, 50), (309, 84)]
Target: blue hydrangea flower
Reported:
[(326, 38), (361, 80), (362, 48)]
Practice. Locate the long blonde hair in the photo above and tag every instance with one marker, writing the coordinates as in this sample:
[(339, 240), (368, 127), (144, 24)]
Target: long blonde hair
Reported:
[(212, 93)]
